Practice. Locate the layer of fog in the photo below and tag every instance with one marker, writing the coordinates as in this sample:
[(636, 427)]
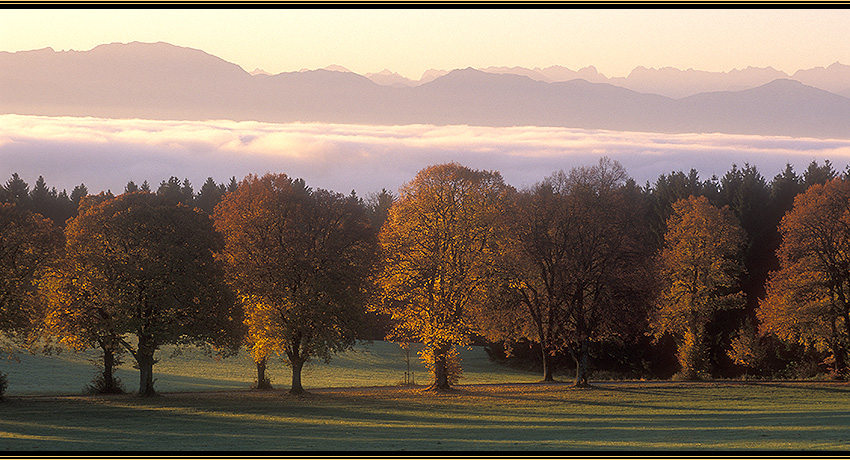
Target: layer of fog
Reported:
[(105, 154)]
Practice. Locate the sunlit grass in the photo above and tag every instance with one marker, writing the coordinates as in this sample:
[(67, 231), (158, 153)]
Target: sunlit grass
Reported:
[(611, 416), (369, 364), (353, 405)]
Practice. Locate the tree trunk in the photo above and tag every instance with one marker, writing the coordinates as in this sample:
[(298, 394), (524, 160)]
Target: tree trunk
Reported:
[(296, 388), (840, 354), (263, 382), (581, 365), (109, 385), (841, 351), (441, 369), (145, 375), (580, 355), (690, 354), (145, 361), (547, 365)]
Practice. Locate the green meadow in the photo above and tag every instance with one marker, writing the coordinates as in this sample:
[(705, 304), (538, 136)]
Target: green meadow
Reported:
[(369, 364), (353, 404), (610, 416)]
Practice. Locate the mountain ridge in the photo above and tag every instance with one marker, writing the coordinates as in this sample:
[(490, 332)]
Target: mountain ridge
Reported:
[(163, 81)]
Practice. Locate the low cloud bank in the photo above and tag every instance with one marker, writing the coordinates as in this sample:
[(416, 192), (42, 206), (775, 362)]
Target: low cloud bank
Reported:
[(106, 153)]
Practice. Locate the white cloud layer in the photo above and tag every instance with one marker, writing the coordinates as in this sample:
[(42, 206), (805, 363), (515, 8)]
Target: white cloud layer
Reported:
[(106, 153)]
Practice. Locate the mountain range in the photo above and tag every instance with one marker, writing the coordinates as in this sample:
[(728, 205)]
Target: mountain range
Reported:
[(667, 81), (163, 81)]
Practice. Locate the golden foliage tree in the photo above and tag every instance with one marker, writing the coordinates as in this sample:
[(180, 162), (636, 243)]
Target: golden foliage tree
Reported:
[(28, 242), (699, 271), (139, 265), (75, 318), (301, 261), (807, 298), (438, 245)]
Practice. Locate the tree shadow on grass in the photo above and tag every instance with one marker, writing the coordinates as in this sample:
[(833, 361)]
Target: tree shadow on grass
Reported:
[(400, 419)]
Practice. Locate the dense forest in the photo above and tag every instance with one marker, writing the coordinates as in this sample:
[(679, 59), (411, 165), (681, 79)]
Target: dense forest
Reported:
[(586, 272)]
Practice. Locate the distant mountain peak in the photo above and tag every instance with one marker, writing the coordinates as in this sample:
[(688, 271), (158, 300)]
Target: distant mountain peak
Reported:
[(164, 81), (336, 68)]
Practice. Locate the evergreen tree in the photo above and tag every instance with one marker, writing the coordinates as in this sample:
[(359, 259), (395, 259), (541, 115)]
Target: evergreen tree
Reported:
[(78, 193), (815, 174), (210, 195), (233, 185), (17, 192), (671, 188)]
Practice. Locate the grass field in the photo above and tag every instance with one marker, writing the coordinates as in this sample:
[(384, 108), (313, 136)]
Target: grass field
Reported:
[(352, 406), (369, 364), (610, 416)]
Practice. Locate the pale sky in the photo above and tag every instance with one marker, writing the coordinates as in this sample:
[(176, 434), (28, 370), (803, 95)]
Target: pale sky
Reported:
[(411, 41)]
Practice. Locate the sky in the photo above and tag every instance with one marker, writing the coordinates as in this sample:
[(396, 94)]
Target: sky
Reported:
[(411, 41), (105, 154)]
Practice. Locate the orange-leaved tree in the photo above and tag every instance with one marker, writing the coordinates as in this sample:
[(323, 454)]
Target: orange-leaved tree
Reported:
[(438, 244), (28, 242), (74, 316), (139, 265), (301, 261), (807, 298), (699, 274)]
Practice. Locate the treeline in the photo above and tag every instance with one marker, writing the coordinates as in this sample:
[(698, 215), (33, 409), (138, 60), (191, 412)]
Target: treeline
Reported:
[(686, 277), (60, 206)]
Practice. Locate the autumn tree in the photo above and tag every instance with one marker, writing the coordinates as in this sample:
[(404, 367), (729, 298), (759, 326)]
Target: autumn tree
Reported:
[(74, 316), (28, 242), (140, 265), (699, 272), (807, 298), (438, 244), (300, 260), (576, 265), (79, 322), (670, 188)]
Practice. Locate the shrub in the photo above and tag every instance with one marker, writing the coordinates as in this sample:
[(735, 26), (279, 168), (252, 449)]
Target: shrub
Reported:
[(99, 385)]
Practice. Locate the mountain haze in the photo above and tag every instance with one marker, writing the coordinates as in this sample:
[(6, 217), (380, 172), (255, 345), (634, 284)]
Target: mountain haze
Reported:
[(163, 81)]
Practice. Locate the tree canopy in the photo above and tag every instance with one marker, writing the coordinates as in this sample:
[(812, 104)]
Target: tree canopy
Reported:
[(28, 242), (807, 300), (576, 263), (141, 265), (301, 262), (438, 244), (699, 270)]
